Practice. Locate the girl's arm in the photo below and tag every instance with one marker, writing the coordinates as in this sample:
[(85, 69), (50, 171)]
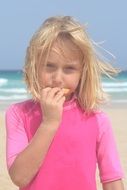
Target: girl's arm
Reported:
[(108, 157), (28, 162), (114, 185)]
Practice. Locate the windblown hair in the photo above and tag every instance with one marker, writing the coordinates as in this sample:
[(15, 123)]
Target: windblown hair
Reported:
[(90, 93)]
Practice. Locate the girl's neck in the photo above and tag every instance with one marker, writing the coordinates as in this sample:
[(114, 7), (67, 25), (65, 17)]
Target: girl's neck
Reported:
[(70, 103)]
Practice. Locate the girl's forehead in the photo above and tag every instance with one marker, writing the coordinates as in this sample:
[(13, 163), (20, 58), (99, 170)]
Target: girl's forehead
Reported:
[(65, 50)]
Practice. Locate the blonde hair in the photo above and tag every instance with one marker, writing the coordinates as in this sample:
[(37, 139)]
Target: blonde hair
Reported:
[(90, 92)]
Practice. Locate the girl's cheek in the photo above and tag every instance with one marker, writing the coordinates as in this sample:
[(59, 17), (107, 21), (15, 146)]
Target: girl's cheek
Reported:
[(47, 80)]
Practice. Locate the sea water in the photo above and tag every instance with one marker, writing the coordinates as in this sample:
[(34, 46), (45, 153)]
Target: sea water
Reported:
[(13, 88)]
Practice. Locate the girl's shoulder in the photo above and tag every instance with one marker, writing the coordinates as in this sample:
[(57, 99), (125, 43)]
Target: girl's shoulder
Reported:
[(103, 122), (101, 115), (26, 106)]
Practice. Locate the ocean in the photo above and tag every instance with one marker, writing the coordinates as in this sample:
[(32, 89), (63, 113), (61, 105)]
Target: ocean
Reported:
[(13, 88)]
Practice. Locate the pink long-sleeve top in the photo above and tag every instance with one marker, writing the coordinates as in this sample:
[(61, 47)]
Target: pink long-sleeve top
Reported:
[(80, 143)]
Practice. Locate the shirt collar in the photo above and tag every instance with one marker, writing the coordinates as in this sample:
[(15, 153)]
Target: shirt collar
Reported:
[(70, 103)]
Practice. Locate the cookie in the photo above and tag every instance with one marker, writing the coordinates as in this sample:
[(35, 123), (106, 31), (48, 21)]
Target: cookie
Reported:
[(65, 91)]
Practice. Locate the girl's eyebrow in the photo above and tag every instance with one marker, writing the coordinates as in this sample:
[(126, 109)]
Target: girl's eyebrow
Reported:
[(52, 63), (67, 63)]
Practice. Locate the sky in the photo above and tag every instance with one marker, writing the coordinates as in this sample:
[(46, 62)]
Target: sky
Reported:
[(106, 22)]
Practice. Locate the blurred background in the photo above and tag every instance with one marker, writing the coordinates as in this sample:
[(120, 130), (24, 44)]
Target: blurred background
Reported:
[(106, 25)]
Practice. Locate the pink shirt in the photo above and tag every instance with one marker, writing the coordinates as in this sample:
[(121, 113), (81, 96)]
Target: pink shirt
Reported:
[(79, 144)]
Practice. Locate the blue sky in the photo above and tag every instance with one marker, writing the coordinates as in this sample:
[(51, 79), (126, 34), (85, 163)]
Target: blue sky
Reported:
[(107, 21)]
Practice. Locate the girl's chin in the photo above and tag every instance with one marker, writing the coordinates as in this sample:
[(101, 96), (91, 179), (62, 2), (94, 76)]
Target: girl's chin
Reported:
[(68, 97)]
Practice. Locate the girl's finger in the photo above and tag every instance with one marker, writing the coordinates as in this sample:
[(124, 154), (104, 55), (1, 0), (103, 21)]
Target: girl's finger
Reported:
[(44, 92), (52, 92), (61, 100), (58, 96)]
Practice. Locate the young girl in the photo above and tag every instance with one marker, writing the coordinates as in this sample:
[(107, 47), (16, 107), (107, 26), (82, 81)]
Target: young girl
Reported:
[(55, 139)]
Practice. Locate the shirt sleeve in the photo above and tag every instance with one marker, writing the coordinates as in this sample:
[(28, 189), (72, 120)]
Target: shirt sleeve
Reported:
[(107, 155), (16, 137)]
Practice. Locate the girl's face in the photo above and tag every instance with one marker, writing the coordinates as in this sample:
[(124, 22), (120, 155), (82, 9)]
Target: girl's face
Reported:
[(63, 68)]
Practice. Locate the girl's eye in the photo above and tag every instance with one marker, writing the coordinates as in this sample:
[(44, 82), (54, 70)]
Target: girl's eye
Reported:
[(50, 67), (69, 69)]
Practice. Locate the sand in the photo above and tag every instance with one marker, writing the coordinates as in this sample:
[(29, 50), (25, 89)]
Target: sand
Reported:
[(118, 115)]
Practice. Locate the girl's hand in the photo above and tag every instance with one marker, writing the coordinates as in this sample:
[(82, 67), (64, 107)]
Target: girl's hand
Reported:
[(51, 101)]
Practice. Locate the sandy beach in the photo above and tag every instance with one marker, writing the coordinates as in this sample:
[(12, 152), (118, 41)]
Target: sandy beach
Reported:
[(118, 115)]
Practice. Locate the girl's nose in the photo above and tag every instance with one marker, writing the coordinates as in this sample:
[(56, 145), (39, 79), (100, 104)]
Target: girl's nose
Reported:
[(57, 78)]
